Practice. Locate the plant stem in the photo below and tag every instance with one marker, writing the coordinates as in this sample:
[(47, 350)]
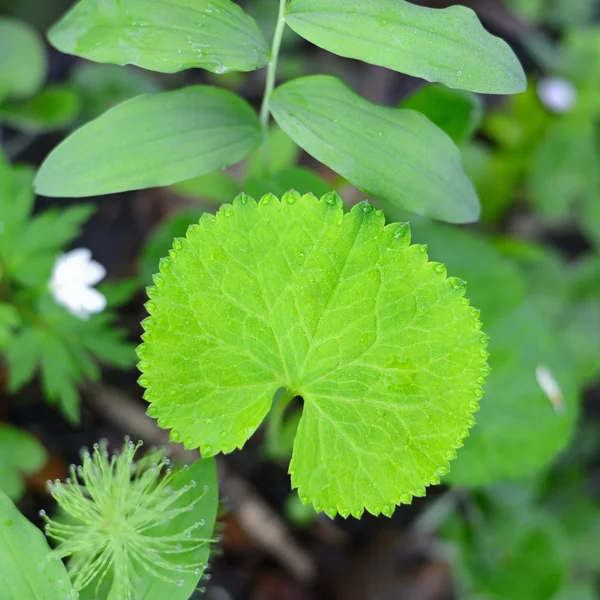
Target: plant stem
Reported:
[(270, 83), (275, 419)]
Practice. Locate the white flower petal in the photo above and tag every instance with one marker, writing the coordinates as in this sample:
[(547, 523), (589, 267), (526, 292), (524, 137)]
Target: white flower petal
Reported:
[(557, 94), (72, 277), (94, 274), (92, 300)]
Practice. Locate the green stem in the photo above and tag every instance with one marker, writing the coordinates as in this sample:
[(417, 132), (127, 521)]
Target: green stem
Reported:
[(276, 418), (265, 110)]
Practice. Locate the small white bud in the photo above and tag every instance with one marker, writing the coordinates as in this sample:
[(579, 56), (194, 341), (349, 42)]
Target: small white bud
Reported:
[(550, 387), (557, 94)]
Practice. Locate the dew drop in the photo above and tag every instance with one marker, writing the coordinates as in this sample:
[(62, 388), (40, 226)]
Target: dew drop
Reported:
[(366, 207), (402, 231), (177, 245), (459, 73), (197, 571), (175, 436), (179, 582), (290, 198), (42, 513), (206, 450), (202, 522), (464, 302), (331, 200), (439, 268)]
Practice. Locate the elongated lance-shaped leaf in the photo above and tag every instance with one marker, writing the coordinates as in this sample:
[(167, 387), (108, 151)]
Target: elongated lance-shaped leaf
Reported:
[(152, 140), (393, 153), (340, 310), (163, 35), (27, 570), (449, 45)]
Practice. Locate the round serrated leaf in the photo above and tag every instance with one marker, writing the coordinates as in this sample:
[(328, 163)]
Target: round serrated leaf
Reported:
[(338, 309), (520, 430)]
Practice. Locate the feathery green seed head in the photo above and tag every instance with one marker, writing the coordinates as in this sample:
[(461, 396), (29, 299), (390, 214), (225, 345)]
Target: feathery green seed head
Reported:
[(114, 508)]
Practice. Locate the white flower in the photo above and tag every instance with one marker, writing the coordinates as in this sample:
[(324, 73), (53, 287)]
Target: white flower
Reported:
[(73, 276), (557, 94), (550, 387)]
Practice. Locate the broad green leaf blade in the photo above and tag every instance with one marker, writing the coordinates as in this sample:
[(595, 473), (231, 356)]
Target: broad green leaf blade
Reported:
[(456, 112), (22, 59), (20, 454), (152, 140), (384, 350), (26, 570), (163, 35), (509, 554), (393, 153), (519, 430), (449, 46), (103, 86), (564, 168), (54, 108)]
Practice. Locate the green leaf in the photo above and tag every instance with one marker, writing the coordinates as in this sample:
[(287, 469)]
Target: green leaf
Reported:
[(59, 376), (496, 176), (23, 357), (564, 169), (55, 107), (167, 36), (43, 237), (152, 140), (283, 153), (9, 321), (27, 570), (377, 149), (161, 240), (218, 187), (293, 178), (455, 112), (16, 204), (204, 473), (22, 59), (449, 46), (103, 86), (385, 351), (519, 430), (496, 286), (20, 454), (509, 554)]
